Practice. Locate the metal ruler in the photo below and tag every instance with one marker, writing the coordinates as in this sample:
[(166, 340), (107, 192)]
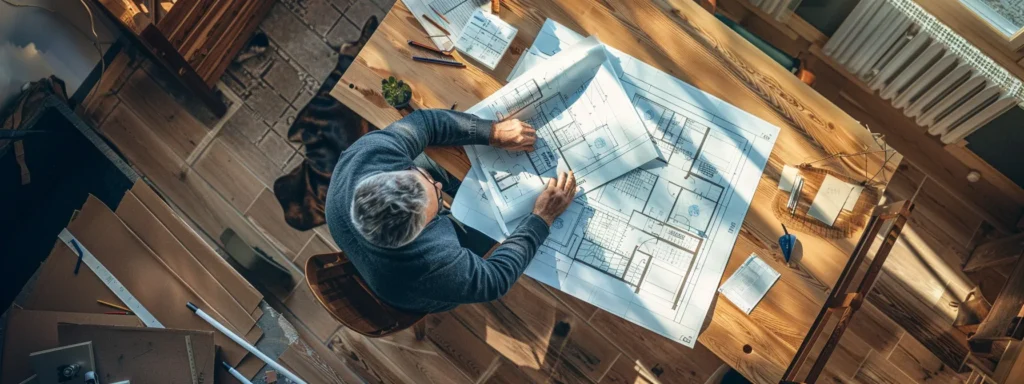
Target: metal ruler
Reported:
[(109, 280), (191, 359)]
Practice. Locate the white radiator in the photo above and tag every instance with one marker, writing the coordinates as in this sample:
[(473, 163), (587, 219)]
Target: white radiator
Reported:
[(922, 67)]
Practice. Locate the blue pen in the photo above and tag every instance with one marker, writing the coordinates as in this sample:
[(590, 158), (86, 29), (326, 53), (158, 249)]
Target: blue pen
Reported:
[(786, 242)]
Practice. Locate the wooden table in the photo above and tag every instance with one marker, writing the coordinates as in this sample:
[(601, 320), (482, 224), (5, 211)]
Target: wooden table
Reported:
[(681, 39)]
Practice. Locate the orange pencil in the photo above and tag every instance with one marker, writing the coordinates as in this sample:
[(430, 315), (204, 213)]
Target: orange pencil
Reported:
[(436, 24), (439, 14)]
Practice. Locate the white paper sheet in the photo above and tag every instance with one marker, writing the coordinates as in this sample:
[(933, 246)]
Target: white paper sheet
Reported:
[(584, 121), (485, 38), (748, 285), (832, 197), (652, 245), (789, 174), (458, 13)]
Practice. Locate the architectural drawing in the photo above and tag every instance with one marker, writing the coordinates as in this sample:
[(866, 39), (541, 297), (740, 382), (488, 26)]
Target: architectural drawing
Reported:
[(584, 123), (652, 245)]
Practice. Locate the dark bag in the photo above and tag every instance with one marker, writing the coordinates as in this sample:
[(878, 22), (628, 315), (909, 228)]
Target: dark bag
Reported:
[(30, 100)]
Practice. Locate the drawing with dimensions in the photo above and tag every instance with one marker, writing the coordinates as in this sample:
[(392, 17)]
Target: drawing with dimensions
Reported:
[(651, 246), (584, 123)]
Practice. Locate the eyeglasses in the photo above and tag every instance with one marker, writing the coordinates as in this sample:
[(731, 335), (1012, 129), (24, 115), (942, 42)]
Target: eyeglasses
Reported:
[(441, 210)]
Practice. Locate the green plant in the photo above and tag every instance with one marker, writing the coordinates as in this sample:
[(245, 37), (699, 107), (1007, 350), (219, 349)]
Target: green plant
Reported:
[(396, 92)]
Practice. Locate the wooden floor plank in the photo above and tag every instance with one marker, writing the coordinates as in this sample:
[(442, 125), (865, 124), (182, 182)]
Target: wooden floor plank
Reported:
[(876, 370), (368, 361), (225, 172), (420, 359), (460, 346), (161, 113), (266, 213), (299, 359), (311, 313), (503, 331), (920, 364)]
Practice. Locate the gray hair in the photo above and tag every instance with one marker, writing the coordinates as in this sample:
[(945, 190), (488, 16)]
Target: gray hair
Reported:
[(388, 208)]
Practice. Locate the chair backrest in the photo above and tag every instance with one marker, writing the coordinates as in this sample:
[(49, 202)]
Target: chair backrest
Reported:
[(337, 285)]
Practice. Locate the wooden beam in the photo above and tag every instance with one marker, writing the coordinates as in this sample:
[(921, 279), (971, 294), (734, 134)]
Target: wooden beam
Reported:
[(995, 253)]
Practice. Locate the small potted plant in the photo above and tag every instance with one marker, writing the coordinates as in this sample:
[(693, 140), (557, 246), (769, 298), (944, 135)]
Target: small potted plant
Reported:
[(396, 92)]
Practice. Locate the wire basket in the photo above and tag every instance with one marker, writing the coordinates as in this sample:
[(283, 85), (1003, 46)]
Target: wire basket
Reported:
[(847, 223)]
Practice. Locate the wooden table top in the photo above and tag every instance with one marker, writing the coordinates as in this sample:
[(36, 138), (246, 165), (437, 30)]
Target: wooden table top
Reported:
[(685, 41)]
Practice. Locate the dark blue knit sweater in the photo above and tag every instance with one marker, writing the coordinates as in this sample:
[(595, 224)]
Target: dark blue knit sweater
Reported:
[(432, 273)]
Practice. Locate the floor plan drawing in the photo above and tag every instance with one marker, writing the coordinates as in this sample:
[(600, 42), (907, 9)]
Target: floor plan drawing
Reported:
[(584, 123), (651, 246)]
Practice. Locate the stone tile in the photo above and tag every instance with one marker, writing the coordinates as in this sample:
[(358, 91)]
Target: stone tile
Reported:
[(385, 5), (303, 98), (320, 15), (247, 125), (298, 42), (284, 78), (285, 122), (361, 10), (344, 31), (342, 5), (267, 103), (276, 148)]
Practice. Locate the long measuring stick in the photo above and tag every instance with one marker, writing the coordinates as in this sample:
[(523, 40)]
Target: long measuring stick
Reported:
[(245, 344)]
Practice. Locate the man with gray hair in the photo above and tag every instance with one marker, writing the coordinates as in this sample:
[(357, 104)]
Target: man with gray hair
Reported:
[(385, 210)]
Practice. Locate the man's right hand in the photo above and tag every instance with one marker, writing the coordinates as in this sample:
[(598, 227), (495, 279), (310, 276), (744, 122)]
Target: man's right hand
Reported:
[(556, 197)]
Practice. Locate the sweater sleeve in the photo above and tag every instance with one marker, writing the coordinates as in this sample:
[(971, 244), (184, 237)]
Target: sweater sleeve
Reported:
[(471, 279), (412, 134)]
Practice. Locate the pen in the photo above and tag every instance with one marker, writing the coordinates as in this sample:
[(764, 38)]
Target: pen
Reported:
[(117, 313), (455, 105), (438, 61), (431, 20), (429, 48), (440, 14)]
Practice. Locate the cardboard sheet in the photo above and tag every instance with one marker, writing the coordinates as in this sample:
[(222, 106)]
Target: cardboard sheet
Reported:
[(240, 289), (31, 331), (142, 273), (179, 260), (144, 355)]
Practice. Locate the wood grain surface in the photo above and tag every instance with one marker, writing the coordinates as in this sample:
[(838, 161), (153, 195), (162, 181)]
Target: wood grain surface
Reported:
[(681, 39)]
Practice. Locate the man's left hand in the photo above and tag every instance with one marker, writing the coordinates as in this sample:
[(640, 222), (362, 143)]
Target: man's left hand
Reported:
[(513, 135)]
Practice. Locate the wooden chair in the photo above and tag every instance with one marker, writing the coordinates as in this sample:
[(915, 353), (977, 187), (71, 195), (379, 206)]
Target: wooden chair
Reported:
[(843, 302), (337, 285)]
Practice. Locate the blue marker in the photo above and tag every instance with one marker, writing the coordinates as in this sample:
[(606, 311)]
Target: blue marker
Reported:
[(786, 242)]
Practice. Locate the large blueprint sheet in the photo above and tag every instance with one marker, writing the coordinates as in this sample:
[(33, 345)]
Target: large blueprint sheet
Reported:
[(584, 123), (652, 245)]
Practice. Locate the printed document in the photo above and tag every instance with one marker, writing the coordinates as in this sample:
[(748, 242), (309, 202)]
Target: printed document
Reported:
[(584, 122), (748, 285)]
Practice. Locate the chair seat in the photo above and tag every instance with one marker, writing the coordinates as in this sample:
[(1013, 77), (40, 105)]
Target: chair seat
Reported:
[(336, 284)]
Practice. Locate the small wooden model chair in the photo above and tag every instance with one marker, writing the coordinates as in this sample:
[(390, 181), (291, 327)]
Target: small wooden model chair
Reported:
[(336, 284)]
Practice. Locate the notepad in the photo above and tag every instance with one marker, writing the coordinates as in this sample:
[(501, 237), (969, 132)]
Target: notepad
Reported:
[(833, 197), (748, 285), (486, 38)]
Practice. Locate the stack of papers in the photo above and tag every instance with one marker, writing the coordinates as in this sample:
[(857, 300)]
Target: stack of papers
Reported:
[(667, 174), (485, 38), (457, 14)]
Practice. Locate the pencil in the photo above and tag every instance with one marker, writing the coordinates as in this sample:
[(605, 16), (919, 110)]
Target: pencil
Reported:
[(429, 48), (440, 14), (117, 313), (112, 305), (436, 24), (438, 61), (495, 6)]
